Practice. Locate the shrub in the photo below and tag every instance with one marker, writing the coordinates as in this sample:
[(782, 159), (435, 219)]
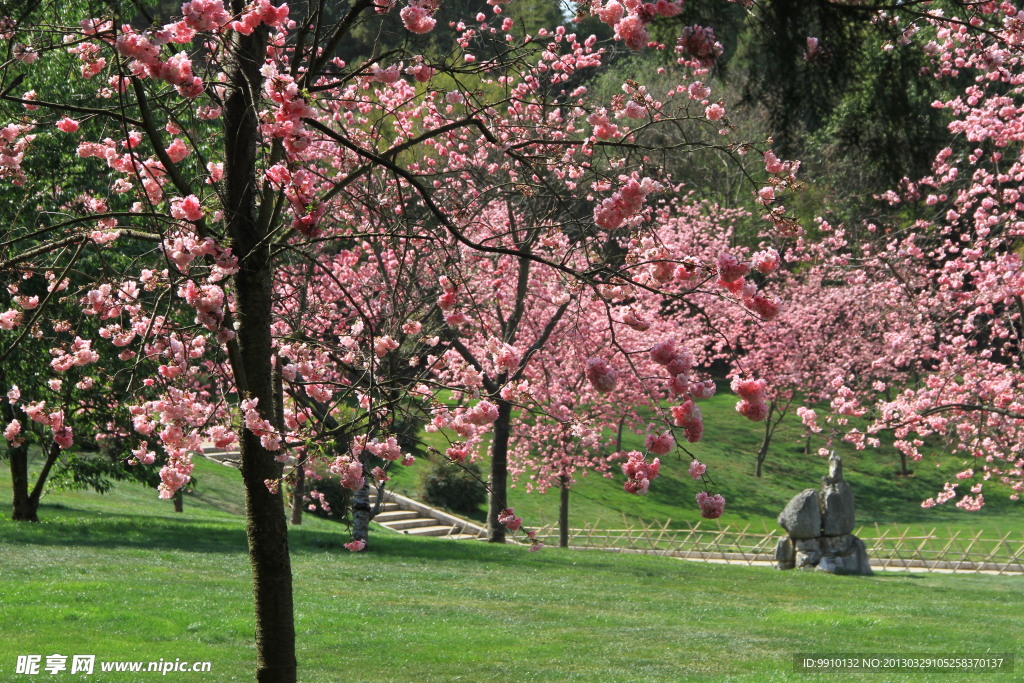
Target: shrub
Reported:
[(457, 488), (326, 497)]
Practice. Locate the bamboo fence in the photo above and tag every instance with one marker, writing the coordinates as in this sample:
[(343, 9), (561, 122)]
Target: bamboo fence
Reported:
[(889, 548)]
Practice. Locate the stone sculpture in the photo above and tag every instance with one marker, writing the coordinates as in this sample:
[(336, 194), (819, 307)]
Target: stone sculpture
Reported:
[(819, 529)]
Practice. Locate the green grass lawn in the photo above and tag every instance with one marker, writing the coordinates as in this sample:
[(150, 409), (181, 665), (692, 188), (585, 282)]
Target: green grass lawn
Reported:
[(122, 577), (729, 446)]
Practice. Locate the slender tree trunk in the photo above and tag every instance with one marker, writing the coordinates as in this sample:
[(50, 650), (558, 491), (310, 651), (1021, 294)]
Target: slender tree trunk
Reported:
[(298, 477), (266, 527), (807, 444), (299, 490), (498, 497), (762, 452), (179, 501), (563, 511), (903, 464)]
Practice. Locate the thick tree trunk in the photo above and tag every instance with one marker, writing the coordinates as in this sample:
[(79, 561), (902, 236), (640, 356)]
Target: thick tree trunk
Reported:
[(498, 497), (563, 511), (179, 501), (266, 527), (24, 509), (361, 513)]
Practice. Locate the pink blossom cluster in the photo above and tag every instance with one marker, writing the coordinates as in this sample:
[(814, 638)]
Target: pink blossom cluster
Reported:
[(508, 518), (625, 203), (688, 416), (630, 17), (639, 473), (753, 398), (699, 44), (697, 469), (143, 51), (260, 12), (350, 471), (659, 444), (418, 17), (602, 376), (81, 353), (711, 506), (14, 140)]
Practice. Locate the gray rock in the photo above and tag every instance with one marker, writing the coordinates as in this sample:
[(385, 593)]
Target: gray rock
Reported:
[(784, 554), (837, 509), (844, 555), (835, 470), (802, 516), (808, 553)]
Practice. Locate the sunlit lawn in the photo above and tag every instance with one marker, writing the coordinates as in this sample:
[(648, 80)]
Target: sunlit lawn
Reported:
[(124, 578)]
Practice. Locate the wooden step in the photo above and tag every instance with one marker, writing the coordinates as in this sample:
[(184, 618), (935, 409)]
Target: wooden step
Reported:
[(395, 516), (437, 530), (413, 523)]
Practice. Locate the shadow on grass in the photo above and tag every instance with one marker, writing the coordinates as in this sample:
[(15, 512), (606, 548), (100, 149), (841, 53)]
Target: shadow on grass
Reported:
[(68, 527)]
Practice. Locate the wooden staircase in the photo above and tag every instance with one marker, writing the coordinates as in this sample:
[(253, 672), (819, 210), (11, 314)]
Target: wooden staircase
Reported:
[(407, 516), (398, 513)]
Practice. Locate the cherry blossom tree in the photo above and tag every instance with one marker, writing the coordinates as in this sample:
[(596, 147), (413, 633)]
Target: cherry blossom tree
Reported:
[(310, 239)]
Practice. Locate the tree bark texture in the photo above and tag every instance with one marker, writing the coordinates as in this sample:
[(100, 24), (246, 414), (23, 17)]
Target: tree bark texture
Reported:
[(266, 527), (498, 496), (563, 511)]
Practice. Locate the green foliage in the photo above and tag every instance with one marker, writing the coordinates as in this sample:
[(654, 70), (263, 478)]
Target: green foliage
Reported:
[(457, 488)]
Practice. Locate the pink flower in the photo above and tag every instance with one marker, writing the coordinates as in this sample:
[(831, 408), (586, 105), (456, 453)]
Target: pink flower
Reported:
[(772, 163), (509, 519), (383, 345), (714, 111), (765, 307), (662, 353), (483, 413), (417, 19), (188, 208), (63, 437), (601, 376), (697, 469), (730, 269), (68, 125), (631, 31), (755, 412), (687, 415), (659, 444), (753, 390), (711, 507), (639, 472), (177, 151), (356, 545), (12, 431), (10, 319), (765, 261)]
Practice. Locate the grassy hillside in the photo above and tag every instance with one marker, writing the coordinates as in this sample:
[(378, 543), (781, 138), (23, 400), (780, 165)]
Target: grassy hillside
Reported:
[(729, 446), (122, 577)]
